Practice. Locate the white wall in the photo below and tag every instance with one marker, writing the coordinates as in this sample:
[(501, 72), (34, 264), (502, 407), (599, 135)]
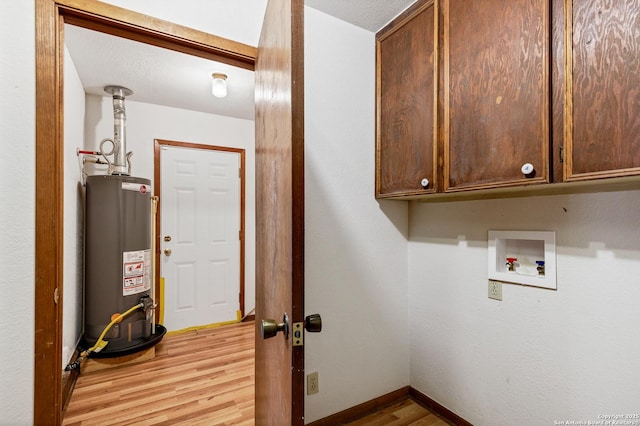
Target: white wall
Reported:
[(17, 215), (73, 211), (147, 122), (539, 355), (356, 248)]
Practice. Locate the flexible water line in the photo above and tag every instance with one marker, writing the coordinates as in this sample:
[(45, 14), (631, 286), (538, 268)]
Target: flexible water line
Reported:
[(100, 344)]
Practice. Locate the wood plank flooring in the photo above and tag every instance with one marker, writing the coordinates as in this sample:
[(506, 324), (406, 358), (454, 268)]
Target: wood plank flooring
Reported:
[(402, 413), (198, 377), (203, 377)]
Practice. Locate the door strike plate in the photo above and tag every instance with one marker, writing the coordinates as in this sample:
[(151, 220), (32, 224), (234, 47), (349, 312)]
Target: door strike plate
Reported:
[(298, 334)]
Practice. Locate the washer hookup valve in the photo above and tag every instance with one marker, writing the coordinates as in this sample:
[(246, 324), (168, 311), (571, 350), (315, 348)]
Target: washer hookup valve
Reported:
[(511, 264)]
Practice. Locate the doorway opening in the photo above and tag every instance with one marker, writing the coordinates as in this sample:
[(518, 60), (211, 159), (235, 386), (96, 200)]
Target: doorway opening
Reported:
[(51, 15)]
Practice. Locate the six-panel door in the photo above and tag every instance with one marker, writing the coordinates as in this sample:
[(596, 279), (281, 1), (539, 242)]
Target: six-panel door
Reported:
[(200, 244)]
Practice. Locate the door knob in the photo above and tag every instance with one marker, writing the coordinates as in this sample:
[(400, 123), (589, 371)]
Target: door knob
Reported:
[(167, 252), (313, 323), (528, 170), (269, 327)]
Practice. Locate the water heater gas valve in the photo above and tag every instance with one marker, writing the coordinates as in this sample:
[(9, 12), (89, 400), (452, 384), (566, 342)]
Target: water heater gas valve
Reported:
[(147, 303)]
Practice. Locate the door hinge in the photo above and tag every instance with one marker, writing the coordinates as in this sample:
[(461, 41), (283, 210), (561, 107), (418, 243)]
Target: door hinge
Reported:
[(298, 334), (562, 153), (56, 295)]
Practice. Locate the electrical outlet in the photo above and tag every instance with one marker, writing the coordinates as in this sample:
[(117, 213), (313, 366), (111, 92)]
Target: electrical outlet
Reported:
[(312, 383), (495, 290)]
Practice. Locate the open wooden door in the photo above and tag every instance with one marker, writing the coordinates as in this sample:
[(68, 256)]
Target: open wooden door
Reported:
[(280, 211)]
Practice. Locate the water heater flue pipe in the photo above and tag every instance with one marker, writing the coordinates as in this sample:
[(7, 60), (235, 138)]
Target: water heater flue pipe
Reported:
[(120, 165)]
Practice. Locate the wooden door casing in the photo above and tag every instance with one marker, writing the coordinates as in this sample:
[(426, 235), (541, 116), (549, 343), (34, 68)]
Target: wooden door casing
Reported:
[(50, 15), (496, 92), (406, 93), (280, 211), (602, 120)]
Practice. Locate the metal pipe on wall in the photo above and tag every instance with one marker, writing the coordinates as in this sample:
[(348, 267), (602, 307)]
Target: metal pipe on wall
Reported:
[(120, 157)]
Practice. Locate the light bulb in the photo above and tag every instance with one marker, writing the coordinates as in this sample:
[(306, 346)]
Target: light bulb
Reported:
[(219, 85)]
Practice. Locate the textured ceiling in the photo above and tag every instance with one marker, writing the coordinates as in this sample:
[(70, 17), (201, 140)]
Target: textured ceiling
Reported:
[(156, 75), (163, 77), (371, 15)]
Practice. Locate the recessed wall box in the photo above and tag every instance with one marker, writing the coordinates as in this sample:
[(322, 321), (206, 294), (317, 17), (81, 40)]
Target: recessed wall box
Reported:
[(523, 257)]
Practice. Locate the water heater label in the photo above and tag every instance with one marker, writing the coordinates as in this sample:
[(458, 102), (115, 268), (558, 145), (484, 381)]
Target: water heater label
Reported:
[(137, 187), (136, 272)]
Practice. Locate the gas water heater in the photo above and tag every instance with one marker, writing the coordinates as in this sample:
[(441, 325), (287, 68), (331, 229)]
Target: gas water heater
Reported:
[(118, 289)]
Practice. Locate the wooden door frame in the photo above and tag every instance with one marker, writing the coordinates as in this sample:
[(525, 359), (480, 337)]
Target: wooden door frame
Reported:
[(50, 17), (157, 182)]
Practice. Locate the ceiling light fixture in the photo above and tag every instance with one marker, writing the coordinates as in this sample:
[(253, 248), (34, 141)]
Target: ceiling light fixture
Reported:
[(219, 85)]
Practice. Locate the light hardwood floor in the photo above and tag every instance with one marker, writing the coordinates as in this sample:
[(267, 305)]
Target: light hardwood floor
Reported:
[(199, 377), (402, 413), (203, 377)]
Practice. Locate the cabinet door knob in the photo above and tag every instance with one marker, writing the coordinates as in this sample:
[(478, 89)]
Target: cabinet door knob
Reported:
[(425, 183), (527, 169)]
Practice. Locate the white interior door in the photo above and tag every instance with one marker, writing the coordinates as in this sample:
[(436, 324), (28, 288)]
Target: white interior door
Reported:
[(200, 216)]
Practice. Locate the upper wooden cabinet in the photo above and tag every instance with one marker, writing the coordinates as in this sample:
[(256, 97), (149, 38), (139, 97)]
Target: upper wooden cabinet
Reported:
[(469, 91), (602, 117), (496, 93), (406, 150)]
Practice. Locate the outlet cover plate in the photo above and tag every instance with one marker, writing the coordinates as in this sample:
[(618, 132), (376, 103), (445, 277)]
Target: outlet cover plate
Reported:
[(312, 383), (495, 290)]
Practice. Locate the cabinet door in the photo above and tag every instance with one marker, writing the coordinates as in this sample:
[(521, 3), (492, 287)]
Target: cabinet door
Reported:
[(406, 93), (496, 92), (602, 133)]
